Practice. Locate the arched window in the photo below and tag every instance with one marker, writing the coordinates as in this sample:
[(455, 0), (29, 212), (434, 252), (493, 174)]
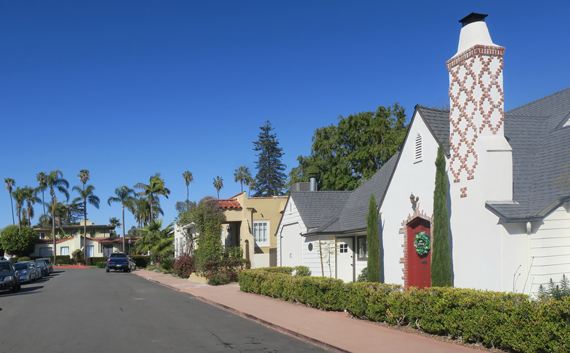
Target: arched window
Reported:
[(418, 153)]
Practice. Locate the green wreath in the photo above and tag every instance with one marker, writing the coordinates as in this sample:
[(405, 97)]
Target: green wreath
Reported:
[(422, 243)]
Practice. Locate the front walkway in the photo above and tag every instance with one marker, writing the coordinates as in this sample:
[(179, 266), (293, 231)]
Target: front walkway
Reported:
[(331, 330)]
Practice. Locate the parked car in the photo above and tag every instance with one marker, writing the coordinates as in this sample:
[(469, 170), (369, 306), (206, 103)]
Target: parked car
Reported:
[(132, 264), (43, 267), (9, 277), (118, 261), (26, 271), (37, 268), (49, 265)]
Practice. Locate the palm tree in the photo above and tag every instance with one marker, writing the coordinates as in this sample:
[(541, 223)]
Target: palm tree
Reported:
[(114, 221), (188, 177), (156, 240), (41, 178), (54, 181), (86, 195), (125, 196), (20, 196), (31, 199), (154, 188), (9, 184), (218, 184), (83, 177), (241, 175), (249, 181)]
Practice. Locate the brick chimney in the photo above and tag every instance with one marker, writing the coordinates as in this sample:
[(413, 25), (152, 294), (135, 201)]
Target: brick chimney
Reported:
[(476, 101)]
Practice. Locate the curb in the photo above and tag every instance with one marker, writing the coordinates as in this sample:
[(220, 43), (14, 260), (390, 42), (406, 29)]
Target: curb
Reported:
[(275, 327)]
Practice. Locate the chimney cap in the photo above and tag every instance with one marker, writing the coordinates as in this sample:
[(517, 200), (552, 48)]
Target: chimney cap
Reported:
[(472, 17)]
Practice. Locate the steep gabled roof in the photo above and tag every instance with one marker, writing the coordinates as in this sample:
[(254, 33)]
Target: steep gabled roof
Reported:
[(342, 211), (541, 157), (437, 121)]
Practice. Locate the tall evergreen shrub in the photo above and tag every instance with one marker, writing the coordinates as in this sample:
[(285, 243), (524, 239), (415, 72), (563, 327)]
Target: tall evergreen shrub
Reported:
[(441, 255), (373, 242)]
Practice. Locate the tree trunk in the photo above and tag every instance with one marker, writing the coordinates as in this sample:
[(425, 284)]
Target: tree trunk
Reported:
[(85, 228), (124, 228), (54, 200), (19, 217), (12, 208)]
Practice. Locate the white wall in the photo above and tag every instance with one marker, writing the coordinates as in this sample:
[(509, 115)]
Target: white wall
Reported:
[(289, 239), (409, 177), (312, 258)]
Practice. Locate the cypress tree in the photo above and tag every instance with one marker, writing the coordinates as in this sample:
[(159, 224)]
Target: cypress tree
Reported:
[(373, 242), (270, 179), (441, 255)]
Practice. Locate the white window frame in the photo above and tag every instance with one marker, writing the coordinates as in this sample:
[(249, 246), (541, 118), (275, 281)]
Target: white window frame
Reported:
[(42, 235), (418, 148), (61, 250), (261, 241)]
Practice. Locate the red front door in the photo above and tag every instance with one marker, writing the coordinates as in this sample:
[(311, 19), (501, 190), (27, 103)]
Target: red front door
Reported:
[(419, 266)]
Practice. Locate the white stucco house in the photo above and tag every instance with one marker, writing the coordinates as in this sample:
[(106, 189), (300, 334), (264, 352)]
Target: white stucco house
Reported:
[(509, 186)]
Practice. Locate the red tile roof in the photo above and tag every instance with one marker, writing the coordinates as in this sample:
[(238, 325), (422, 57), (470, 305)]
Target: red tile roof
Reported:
[(229, 204)]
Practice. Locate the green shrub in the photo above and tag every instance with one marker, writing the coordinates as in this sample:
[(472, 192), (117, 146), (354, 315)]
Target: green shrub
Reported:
[(556, 291), (167, 263), (184, 266), (218, 279), (13, 259), (24, 258), (232, 252), (302, 271), (230, 269), (363, 276), (507, 321), (102, 264), (141, 261)]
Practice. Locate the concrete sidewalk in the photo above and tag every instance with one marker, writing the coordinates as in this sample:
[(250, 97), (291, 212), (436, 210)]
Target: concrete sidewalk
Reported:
[(334, 331)]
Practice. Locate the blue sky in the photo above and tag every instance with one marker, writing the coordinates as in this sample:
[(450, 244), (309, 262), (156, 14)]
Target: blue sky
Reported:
[(129, 88)]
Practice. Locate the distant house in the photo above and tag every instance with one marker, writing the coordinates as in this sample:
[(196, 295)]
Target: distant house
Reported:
[(251, 223), (99, 240)]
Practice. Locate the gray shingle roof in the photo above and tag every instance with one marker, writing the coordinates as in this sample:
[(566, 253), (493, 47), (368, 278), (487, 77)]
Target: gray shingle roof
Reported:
[(437, 121), (342, 211), (541, 157)]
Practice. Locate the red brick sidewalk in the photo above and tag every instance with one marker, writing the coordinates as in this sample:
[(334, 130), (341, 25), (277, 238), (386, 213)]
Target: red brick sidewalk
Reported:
[(334, 331)]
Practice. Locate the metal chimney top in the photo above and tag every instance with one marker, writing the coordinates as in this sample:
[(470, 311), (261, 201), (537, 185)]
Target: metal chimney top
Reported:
[(472, 17)]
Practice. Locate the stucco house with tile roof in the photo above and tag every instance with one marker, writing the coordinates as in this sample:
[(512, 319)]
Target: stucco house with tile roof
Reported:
[(508, 178)]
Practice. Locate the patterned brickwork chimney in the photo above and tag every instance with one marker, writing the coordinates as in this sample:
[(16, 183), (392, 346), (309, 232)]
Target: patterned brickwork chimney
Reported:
[(476, 97)]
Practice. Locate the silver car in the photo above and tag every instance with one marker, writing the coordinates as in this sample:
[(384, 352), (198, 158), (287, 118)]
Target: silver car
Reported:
[(26, 270), (38, 270)]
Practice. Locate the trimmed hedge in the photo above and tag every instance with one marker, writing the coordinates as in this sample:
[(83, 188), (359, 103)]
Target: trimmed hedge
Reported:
[(63, 259), (141, 261), (93, 261), (495, 319)]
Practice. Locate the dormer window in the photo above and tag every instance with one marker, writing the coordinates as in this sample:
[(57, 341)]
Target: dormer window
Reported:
[(418, 152)]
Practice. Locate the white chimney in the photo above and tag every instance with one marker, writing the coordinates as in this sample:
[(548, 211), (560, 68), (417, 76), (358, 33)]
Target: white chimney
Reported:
[(476, 104)]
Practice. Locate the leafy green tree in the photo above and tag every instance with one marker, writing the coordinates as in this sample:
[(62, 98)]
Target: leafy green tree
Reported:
[(54, 181), (373, 242), (242, 175), (18, 242), (183, 206), (441, 255), (152, 190), (347, 154), (208, 217), (126, 196), (41, 178), (218, 184), (188, 177), (9, 186), (270, 178), (86, 195)]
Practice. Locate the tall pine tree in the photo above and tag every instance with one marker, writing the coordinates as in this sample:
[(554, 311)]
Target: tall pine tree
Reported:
[(441, 256), (373, 242), (270, 179)]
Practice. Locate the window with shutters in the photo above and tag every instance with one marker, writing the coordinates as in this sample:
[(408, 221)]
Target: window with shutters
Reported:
[(418, 152)]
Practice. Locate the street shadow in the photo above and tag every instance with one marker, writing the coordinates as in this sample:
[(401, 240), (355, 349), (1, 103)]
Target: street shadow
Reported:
[(22, 291)]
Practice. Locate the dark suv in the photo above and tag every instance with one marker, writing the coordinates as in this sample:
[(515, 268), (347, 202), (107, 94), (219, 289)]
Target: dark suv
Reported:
[(9, 277)]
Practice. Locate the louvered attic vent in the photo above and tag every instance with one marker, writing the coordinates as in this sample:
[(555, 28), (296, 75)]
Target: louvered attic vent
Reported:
[(418, 151)]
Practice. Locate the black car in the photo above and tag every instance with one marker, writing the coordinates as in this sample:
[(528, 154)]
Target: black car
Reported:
[(9, 277), (48, 263), (43, 267)]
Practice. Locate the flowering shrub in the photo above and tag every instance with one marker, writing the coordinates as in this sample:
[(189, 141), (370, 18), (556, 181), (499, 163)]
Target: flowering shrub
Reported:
[(224, 271), (184, 266)]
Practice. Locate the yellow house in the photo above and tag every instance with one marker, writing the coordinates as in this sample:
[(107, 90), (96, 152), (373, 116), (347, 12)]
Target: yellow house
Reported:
[(252, 222)]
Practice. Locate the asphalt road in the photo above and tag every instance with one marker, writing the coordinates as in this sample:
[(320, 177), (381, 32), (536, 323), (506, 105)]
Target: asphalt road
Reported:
[(83, 311)]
